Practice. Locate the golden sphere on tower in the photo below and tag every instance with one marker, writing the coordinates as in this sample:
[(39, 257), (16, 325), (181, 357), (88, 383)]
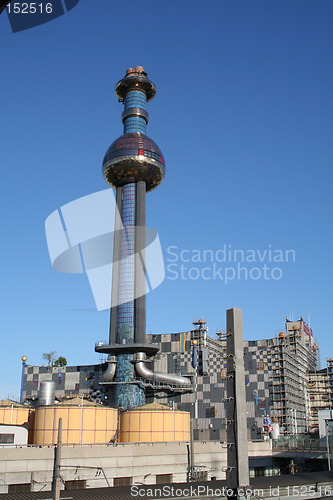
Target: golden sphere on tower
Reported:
[(24, 358), (194, 342)]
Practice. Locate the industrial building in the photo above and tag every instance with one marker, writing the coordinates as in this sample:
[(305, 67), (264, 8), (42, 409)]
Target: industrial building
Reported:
[(279, 374), (185, 371), (102, 445), (155, 409)]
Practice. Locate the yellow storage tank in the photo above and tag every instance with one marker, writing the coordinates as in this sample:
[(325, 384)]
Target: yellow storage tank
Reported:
[(154, 423), (13, 413), (83, 422)]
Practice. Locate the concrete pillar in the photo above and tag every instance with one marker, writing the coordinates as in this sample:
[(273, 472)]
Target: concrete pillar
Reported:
[(237, 451)]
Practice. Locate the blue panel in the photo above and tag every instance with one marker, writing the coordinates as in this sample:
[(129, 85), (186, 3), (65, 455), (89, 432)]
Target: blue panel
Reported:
[(135, 99), (194, 357), (134, 124)]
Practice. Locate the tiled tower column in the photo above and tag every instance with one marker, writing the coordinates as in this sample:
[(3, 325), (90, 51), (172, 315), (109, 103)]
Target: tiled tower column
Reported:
[(129, 395), (133, 165)]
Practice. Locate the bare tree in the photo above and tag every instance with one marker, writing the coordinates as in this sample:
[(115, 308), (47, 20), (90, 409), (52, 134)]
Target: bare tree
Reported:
[(50, 357)]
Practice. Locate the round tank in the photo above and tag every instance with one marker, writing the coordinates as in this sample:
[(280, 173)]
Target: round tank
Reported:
[(46, 393), (13, 413), (154, 423), (83, 422)]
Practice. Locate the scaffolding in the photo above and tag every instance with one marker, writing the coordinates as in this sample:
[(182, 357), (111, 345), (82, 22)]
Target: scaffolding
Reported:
[(293, 356), (320, 390)]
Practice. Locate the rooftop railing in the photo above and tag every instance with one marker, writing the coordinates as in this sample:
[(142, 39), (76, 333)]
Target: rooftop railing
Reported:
[(300, 443)]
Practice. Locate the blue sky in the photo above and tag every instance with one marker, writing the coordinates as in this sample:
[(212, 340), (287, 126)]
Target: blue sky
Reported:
[(243, 115)]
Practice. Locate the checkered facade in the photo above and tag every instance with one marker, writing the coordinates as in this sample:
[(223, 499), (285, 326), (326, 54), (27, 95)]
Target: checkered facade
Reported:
[(207, 403), (275, 377), (69, 380)]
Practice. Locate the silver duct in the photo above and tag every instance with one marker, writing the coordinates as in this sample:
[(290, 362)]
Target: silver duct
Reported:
[(144, 372), (46, 393), (110, 371)]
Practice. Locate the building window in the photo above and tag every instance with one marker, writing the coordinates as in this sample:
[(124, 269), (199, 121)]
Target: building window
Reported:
[(78, 484), (123, 481), (259, 471), (19, 488), (210, 412), (6, 438), (163, 478)]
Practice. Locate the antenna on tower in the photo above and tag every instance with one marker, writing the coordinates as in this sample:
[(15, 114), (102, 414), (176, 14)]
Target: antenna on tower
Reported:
[(309, 320), (201, 324)]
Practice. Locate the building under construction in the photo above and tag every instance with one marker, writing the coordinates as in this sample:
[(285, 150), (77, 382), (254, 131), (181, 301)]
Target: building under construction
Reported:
[(293, 356), (320, 391)]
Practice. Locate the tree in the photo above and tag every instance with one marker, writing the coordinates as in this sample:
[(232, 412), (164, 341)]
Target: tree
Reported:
[(50, 357), (61, 361)]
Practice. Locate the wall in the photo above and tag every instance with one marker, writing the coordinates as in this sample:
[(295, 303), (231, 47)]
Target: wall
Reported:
[(324, 415), (142, 462), (20, 435)]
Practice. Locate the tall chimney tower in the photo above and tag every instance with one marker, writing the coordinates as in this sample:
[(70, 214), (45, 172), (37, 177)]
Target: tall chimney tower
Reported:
[(133, 165)]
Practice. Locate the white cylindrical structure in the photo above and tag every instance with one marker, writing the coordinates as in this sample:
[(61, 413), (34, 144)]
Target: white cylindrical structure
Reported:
[(275, 432), (46, 393)]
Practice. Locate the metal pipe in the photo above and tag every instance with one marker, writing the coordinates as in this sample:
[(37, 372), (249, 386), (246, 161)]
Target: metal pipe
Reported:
[(192, 449), (110, 371), (57, 464), (24, 358), (145, 372)]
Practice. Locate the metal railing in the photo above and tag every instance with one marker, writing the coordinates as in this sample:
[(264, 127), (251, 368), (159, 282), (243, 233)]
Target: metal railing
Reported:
[(299, 443)]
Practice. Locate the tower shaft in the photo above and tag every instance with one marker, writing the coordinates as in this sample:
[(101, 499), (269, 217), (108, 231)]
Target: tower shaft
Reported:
[(128, 318), (133, 165), (129, 282)]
